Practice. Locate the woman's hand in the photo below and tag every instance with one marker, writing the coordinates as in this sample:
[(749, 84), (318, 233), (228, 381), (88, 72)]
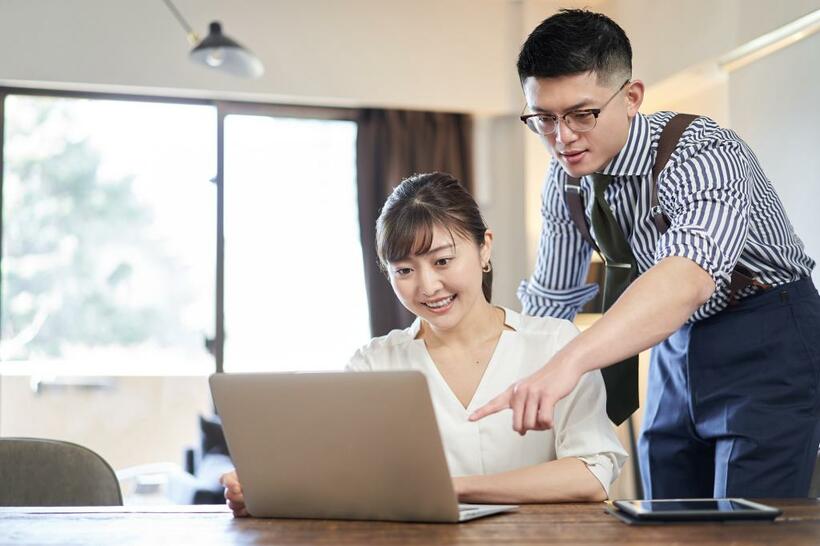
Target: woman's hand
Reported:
[(458, 486), (233, 494)]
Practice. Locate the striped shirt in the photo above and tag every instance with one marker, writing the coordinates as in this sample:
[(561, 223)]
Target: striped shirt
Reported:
[(722, 211)]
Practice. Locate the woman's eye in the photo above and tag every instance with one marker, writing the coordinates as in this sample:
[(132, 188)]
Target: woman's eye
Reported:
[(443, 261), (403, 271)]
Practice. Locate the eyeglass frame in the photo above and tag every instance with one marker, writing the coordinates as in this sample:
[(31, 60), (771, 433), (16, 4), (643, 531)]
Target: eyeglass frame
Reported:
[(563, 117)]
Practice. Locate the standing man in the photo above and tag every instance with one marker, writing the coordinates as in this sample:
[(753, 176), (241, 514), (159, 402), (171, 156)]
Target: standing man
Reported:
[(723, 289)]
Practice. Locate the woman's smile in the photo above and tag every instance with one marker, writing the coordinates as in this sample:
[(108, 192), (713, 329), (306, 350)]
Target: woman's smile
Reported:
[(441, 305)]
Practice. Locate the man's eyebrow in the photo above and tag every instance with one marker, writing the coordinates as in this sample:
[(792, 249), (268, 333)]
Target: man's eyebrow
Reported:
[(577, 106)]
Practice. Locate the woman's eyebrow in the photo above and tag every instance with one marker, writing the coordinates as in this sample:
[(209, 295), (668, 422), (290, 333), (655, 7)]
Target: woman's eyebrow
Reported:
[(438, 248)]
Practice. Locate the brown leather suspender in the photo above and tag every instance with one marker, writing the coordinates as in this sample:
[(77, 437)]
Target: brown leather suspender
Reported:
[(666, 145), (741, 276), (575, 204)]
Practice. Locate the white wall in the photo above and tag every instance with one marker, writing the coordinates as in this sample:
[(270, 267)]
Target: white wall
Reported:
[(500, 147), (669, 35), (132, 421), (774, 106)]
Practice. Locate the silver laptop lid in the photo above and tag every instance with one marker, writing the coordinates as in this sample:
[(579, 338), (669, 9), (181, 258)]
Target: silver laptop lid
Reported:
[(361, 445)]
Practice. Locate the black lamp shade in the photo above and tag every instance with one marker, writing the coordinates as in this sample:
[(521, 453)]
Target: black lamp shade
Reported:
[(222, 53)]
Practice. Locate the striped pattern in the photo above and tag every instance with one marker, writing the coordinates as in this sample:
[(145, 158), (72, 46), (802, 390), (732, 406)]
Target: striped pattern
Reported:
[(723, 210)]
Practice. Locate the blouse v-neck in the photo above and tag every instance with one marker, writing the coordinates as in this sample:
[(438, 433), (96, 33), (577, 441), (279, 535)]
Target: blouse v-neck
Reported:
[(438, 377)]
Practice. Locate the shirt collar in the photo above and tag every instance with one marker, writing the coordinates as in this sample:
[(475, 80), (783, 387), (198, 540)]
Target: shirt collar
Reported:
[(635, 158), (511, 319)]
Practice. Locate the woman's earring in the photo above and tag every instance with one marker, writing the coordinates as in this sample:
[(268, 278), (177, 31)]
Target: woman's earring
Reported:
[(487, 268)]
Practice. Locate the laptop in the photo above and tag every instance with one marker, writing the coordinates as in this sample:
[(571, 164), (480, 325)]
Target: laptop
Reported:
[(360, 446)]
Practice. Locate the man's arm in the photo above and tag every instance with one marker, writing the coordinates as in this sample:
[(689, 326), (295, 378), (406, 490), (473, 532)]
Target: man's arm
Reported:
[(658, 303), (653, 307), (707, 194)]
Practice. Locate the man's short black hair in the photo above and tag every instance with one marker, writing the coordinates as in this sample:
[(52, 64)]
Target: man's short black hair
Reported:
[(576, 41)]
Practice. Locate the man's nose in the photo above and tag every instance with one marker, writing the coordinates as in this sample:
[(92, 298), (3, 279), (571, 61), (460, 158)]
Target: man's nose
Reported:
[(564, 134)]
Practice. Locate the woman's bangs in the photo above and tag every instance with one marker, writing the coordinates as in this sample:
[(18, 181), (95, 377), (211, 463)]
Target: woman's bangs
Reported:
[(410, 235), (413, 234)]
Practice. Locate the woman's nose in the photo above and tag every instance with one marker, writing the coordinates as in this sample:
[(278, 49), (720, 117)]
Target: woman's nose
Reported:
[(430, 282)]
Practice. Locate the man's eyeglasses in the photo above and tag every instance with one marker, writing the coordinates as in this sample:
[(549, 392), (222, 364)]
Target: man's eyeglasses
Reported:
[(578, 121)]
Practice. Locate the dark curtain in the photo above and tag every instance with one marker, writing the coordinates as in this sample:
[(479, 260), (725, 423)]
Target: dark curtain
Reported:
[(392, 145)]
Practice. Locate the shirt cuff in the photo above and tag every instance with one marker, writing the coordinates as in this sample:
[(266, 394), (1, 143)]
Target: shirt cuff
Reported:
[(605, 467), (708, 259), (562, 303)]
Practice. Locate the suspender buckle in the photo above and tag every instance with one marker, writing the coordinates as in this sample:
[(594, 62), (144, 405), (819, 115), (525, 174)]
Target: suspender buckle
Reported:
[(616, 264)]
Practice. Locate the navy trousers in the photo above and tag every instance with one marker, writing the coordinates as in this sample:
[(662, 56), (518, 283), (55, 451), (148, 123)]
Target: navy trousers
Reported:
[(733, 401)]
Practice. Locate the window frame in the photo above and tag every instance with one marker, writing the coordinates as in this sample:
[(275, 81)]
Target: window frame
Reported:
[(224, 108)]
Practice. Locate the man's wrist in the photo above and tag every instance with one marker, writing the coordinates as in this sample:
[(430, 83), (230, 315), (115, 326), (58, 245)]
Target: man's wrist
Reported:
[(573, 357)]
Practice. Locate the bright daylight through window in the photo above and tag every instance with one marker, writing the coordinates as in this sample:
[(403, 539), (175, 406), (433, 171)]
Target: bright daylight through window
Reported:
[(109, 239), (108, 236), (294, 282)]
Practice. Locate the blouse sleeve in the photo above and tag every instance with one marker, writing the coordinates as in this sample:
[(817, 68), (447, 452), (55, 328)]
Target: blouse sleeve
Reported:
[(358, 363), (583, 430)]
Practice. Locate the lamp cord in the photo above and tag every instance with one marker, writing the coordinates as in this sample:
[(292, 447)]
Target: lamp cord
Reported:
[(188, 30)]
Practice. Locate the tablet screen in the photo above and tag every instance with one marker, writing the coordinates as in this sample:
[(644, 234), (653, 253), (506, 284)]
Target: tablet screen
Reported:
[(697, 509), (722, 505)]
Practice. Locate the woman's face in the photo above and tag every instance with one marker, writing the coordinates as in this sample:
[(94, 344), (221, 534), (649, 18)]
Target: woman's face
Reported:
[(443, 285)]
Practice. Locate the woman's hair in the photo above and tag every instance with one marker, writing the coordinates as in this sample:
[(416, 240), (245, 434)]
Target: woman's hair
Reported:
[(421, 202)]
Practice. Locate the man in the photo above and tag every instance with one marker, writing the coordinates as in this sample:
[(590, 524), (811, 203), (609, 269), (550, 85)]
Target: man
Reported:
[(732, 404)]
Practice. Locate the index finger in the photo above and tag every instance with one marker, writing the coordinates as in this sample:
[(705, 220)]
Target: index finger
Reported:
[(500, 402)]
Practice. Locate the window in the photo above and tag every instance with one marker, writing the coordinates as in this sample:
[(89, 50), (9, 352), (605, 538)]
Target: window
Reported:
[(294, 282), (108, 236)]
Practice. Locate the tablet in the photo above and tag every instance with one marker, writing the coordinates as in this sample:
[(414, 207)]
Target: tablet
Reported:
[(697, 509)]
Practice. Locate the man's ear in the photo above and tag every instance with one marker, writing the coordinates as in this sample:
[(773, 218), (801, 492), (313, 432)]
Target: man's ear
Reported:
[(634, 97)]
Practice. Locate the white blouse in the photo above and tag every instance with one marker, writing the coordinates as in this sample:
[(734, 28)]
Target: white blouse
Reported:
[(490, 445)]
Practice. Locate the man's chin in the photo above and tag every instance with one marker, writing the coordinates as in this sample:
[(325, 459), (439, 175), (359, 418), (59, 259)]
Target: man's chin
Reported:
[(579, 169), (576, 171)]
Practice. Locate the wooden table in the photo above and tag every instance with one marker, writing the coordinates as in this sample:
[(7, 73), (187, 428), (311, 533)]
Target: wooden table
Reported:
[(578, 524)]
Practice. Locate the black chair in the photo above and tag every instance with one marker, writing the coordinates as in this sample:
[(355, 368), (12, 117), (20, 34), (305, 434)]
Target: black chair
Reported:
[(208, 461), (41, 472)]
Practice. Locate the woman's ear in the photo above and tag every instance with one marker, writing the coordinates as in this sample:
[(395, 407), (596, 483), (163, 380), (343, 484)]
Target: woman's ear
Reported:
[(485, 251)]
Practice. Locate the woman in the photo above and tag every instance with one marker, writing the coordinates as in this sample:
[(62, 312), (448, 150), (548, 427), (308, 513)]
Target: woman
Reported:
[(435, 249)]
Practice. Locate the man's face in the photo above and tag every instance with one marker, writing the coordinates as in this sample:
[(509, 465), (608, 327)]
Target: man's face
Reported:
[(586, 152)]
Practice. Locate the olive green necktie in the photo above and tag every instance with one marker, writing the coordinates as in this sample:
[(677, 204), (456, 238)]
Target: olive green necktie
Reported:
[(621, 379)]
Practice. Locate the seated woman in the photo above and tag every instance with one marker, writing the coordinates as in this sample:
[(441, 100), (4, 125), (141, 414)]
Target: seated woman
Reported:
[(435, 249)]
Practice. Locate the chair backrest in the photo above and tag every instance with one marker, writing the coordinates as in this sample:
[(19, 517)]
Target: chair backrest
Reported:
[(41, 472)]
